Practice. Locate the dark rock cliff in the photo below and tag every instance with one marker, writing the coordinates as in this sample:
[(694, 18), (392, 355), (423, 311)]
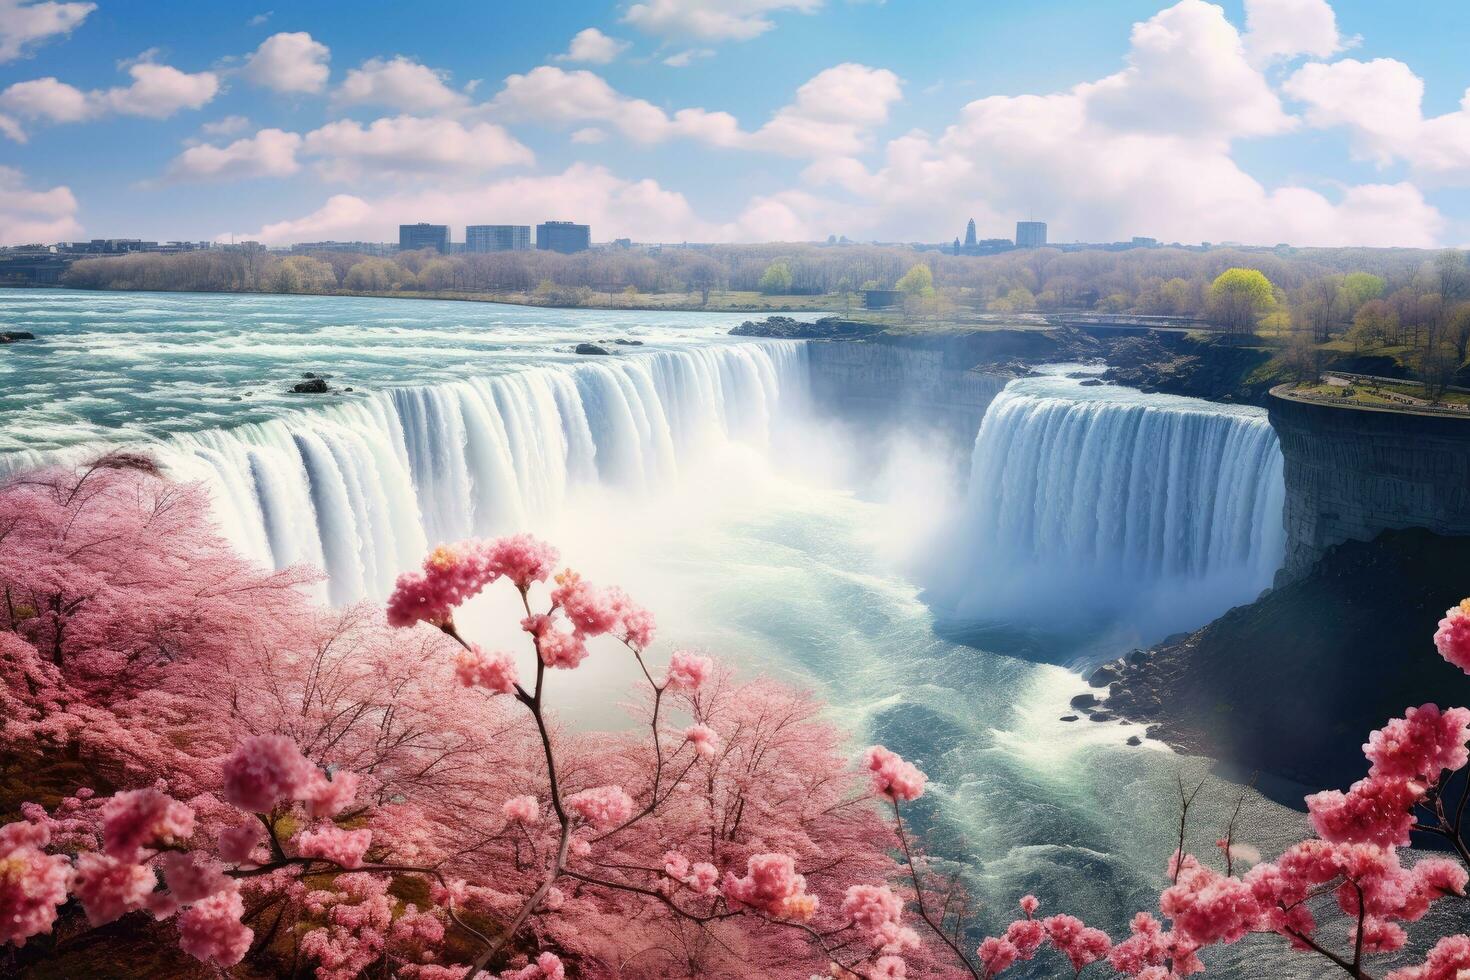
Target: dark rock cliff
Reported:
[(1292, 683)]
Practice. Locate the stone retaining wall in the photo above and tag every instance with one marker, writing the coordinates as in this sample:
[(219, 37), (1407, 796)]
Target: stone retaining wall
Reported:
[(1352, 473)]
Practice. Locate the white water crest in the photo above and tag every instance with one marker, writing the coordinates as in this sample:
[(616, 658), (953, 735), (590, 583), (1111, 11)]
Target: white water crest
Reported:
[(1103, 502), (362, 489)]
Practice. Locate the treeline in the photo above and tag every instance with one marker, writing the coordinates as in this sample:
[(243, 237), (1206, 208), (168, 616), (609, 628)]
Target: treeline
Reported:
[(1150, 281)]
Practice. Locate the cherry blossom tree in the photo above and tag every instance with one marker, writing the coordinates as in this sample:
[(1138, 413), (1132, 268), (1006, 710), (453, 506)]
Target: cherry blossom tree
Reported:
[(280, 780), (356, 793)]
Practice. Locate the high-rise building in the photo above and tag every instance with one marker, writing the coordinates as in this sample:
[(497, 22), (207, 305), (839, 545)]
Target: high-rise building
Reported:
[(563, 236), (497, 238), (423, 235), (1030, 234), (970, 232)]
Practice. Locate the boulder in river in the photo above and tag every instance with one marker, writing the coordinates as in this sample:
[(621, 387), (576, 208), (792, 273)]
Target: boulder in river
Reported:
[(11, 336), (315, 386), (592, 349), (1084, 701)]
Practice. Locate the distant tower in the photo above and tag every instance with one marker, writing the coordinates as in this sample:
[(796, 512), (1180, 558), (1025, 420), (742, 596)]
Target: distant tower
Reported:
[(970, 232), (1030, 234)]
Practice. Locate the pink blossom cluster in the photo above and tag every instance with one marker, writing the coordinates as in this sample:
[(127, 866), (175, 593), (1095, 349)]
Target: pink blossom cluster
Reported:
[(548, 966), (1420, 745), (1452, 639), (332, 843), (237, 842), (1147, 946), (521, 809), (892, 776), (706, 740), (878, 912), (453, 574), (1081, 944), (192, 877), (688, 671), (109, 887), (604, 807), (1448, 960), (1078, 942), (1376, 809), (559, 648), (358, 914), (772, 886), (266, 770), (594, 611), (210, 930), (495, 672), (1208, 907), (701, 877), (142, 818), (33, 884)]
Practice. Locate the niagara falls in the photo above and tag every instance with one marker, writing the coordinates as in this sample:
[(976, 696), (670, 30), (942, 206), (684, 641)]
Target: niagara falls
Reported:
[(734, 490)]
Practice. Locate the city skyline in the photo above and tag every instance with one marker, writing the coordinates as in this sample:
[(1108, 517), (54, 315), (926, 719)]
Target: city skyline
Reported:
[(679, 120)]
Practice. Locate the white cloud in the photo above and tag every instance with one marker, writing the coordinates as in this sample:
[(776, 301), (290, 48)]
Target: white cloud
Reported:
[(1146, 151), (1283, 29), (35, 217), (1187, 74), (347, 151), (640, 209), (259, 19), (711, 20), (157, 91), (227, 126), (24, 25), (833, 113), (47, 98), (399, 83), (269, 153), (593, 47), (289, 62), (687, 57), (1381, 105), (11, 128), (589, 134), (411, 145)]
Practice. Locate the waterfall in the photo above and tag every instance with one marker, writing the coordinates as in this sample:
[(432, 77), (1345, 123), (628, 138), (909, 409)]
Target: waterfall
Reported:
[(362, 488), (1088, 502)]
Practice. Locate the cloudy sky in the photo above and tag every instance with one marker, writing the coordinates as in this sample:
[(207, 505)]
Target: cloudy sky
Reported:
[(1259, 121)]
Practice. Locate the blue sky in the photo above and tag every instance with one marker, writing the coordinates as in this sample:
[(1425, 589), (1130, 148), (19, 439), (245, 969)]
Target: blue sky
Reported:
[(738, 120)]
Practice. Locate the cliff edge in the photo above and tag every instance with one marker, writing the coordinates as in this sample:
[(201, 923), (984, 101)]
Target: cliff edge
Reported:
[(1292, 683)]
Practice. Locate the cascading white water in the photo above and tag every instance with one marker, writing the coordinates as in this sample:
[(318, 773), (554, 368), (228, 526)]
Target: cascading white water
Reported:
[(1100, 501), (361, 489)]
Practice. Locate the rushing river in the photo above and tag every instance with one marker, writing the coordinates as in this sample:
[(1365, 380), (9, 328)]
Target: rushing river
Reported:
[(692, 470)]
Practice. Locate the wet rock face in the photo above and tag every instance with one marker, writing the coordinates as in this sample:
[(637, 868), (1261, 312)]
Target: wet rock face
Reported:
[(312, 386), (1292, 683), (592, 349), (12, 336), (788, 328)]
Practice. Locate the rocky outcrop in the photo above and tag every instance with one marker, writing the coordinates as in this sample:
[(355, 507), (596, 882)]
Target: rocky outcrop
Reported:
[(311, 386), (1354, 472), (1214, 368), (11, 336), (592, 349), (1292, 683), (787, 328)]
